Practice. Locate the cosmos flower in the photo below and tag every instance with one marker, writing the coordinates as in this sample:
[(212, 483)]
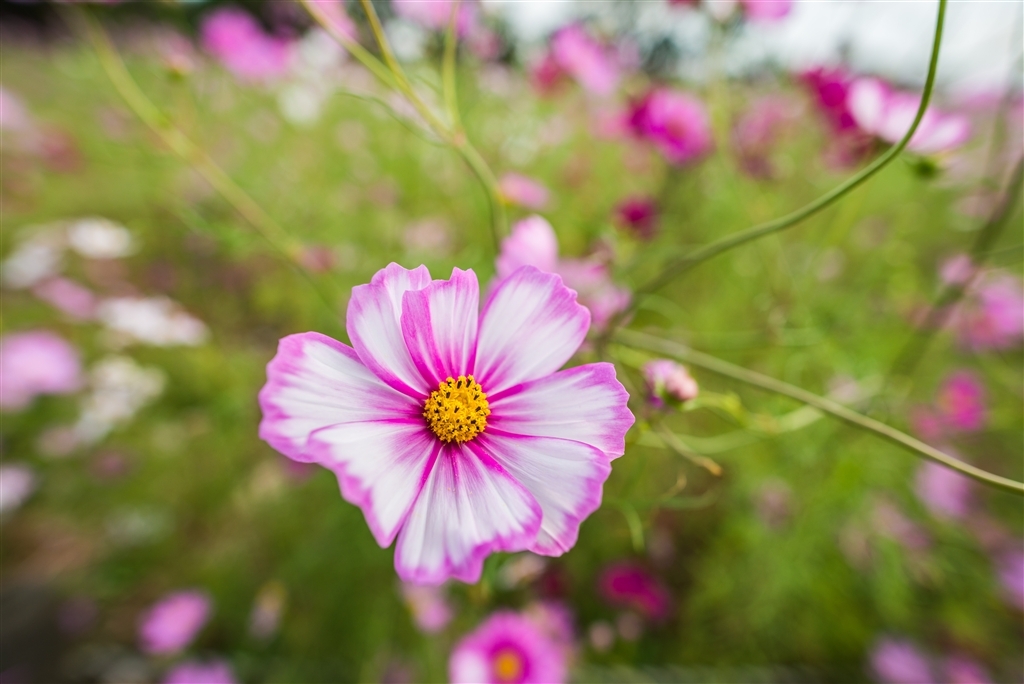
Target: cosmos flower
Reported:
[(172, 623), (766, 10), (668, 380), (755, 135), (17, 482), (151, 320), (524, 191), (507, 647), (585, 60), (36, 362), (235, 39), (1010, 567), (119, 388), (100, 238), (452, 428), (429, 607), (887, 114), (638, 215), (991, 315), (628, 585), (676, 123), (896, 661), (533, 243), (195, 672), (961, 401), (436, 14), (67, 296), (944, 491), (960, 669)]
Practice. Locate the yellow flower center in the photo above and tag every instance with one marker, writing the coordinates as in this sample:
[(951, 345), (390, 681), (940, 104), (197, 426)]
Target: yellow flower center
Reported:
[(508, 666), (457, 410)]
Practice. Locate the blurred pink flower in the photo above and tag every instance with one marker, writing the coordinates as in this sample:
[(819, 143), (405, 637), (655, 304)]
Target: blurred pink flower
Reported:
[(429, 607), (14, 115), (555, 620), (195, 672), (171, 624), (963, 670), (579, 55), (830, 88), (926, 423), (754, 136), (524, 191), (961, 401), (674, 122), (334, 12), (17, 482), (944, 491), (33, 363), (235, 38), (436, 14), (766, 10), (887, 114), (533, 243), (639, 215), (897, 661), (67, 296), (957, 270), (991, 315), (1010, 568), (546, 74), (628, 585), (668, 380), (507, 647)]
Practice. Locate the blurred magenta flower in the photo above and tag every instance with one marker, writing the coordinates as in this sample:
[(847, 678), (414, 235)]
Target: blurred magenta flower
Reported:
[(578, 54), (669, 381), (436, 14), (991, 315), (960, 669), (1010, 568), (944, 491), (36, 362), (887, 114), (234, 38), (533, 243), (523, 191), (830, 88), (67, 296), (639, 215), (676, 123), (196, 672), (172, 623), (628, 585), (452, 428), (766, 10), (17, 482), (507, 647), (961, 401), (429, 607), (755, 135), (897, 661)]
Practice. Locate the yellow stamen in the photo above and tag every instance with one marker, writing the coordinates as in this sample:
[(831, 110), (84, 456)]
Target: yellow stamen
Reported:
[(508, 666), (457, 410)]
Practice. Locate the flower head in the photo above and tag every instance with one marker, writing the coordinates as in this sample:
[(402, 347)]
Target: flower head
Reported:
[(195, 672), (507, 647), (235, 38), (17, 482), (524, 191), (961, 401), (639, 215), (437, 13), (896, 661), (1010, 567), (991, 316), (451, 427), (173, 622), (887, 114), (675, 122), (429, 607), (67, 296), (36, 362), (943, 490), (576, 53), (960, 669), (668, 380), (766, 10), (630, 586)]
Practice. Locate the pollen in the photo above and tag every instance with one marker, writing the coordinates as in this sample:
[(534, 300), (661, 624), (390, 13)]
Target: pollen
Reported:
[(457, 410)]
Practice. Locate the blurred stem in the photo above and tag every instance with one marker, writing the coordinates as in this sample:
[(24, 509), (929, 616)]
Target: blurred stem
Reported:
[(690, 261), (353, 47), (451, 99), (189, 151), (681, 352), (670, 440)]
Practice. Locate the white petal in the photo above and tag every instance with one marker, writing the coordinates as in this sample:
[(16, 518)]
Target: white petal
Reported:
[(867, 101), (439, 323)]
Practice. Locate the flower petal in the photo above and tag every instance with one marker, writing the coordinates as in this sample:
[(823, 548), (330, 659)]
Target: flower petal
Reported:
[(315, 381), (374, 325), (586, 404), (530, 326), (380, 467), (439, 323), (469, 507), (867, 101), (564, 476)]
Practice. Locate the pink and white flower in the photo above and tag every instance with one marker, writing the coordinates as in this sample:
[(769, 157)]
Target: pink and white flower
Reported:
[(450, 427), (195, 672), (887, 114), (674, 122), (17, 482), (533, 243), (172, 623), (36, 362), (507, 647)]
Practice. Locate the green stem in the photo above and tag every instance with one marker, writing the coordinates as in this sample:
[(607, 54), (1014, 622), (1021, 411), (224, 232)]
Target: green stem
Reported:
[(451, 99), (354, 48), (680, 352)]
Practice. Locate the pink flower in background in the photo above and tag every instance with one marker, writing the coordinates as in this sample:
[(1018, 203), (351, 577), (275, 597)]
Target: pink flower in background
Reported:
[(674, 122), (436, 14), (524, 191), (638, 215), (1010, 568), (963, 670), (17, 482), (172, 623), (766, 10), (991, 316), (67, 296), (668, 380), (195, 672), (897, 661), (961, 401), (507, 647), (33, 363), (830, 88), (754, 136), (628, 585), (334, 12), (546, 74), (957, 270), (944, 491), (235, 38), (429, 607), (555, 621), (887, 114), (14, 115), (533, 243), (926, 423), (452, 428), (585, 60)]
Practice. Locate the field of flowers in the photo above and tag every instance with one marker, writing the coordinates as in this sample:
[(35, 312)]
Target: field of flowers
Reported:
[(787, 448)]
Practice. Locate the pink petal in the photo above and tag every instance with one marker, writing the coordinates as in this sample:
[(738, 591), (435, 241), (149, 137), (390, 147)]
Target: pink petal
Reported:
[(867, 101), (380, 466), (946, 133), (315, 381), (530, 326), (469, 507), (586, 404), (564, 476), (532, 243), (373, 324), (439, 324)]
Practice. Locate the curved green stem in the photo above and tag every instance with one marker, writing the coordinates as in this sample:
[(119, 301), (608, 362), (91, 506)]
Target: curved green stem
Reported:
[(681, 352)]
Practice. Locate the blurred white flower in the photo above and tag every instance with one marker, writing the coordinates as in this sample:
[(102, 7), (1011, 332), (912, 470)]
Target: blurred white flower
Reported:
[(318, 55), (100, 238), (408, 40), (119, 388), (151, 320), (37, 258), (300, 103), (17, 482)]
